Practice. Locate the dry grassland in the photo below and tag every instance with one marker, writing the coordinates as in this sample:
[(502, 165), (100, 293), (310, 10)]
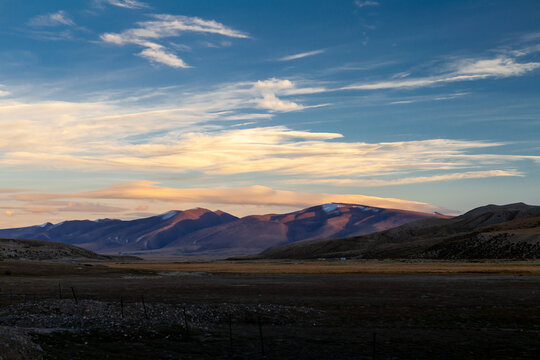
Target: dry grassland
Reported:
[(337, 267)]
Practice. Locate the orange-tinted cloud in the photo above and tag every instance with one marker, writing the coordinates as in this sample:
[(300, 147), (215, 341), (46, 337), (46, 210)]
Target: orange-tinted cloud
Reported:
[(141, 207), (88, 207), (252, 195), (11, 190), (183, 142)]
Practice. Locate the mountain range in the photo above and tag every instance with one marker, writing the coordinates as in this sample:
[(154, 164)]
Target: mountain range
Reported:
[(488, 232), (203, 232)]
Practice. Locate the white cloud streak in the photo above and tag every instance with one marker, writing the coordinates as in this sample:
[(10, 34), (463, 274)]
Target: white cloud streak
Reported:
[(89, 207), (301, 55), (273, 150), (412, 180), (59, 130), (128, 4), (464, 70), (97, 137), (167, 26), (177, 139), (157, 53), (362, 4), (53, 19), (424, 98), (402, 102)]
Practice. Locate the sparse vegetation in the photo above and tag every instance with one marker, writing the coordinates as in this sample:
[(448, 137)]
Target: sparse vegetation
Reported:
[(483, 309), (490, 232), (333, 266)]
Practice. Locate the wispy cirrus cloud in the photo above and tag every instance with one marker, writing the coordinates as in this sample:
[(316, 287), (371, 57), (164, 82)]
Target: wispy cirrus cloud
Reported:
[(89, 207), (57, 26), (433, 97), (268, 150), (157, 53), (64, 35), (281, 151), (301, 55), (115, 137), (3, 92), (11, 190), (28, 208), (462, 70), (167, 26), (33, 131), (398, 102), (365, 3), (128, 4), (58, 18), (40, 208), (411, 180)]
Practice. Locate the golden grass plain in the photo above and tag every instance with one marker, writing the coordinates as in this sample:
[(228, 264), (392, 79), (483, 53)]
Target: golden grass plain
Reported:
[(336, 267)]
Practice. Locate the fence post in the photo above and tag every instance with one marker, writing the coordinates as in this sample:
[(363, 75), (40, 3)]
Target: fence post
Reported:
[(122, 306), (186, 323), (74, 295), (59, 291), (261, 335), (144, 307), (230, 334)]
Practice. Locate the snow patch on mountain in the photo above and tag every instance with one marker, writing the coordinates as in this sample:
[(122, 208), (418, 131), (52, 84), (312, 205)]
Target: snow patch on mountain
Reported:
[(59, 224), (168, 215), (328, 208), (363, 208), (366, 208)]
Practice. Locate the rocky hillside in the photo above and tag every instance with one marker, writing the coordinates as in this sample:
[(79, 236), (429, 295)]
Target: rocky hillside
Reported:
[(18, 249), (497, 232), (114, 236), (252, 234), (204, 232)]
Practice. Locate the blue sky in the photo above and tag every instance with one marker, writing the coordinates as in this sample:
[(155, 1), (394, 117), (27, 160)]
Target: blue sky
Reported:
[(124, 108)]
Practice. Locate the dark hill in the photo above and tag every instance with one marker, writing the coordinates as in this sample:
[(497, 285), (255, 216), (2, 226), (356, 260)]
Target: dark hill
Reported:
[(252, 234), (19, 249), (204, 232), (113, 236), (509, 231)]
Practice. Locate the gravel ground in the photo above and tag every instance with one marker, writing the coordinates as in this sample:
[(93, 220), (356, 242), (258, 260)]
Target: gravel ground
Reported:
[(17, 344), (401, 316), (19, 321)]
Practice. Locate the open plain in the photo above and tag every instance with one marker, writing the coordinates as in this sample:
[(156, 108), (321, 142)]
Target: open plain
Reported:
[(272, 310)]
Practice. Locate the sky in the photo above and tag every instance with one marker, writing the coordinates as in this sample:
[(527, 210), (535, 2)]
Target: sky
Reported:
[(128, 108)]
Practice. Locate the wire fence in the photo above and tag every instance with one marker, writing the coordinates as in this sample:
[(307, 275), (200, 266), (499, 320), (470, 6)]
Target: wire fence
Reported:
[(241, 331)]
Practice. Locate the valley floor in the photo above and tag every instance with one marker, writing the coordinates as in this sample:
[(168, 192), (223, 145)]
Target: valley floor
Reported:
[(306, 310)]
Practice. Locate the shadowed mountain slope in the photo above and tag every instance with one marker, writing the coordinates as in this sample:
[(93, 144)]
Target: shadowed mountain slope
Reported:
[(509, 231), (111, 236), (255, 233), (203, 232)]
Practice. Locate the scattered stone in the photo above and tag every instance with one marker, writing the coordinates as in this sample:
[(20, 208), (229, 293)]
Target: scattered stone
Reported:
[(16, 343), (66, 315)]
